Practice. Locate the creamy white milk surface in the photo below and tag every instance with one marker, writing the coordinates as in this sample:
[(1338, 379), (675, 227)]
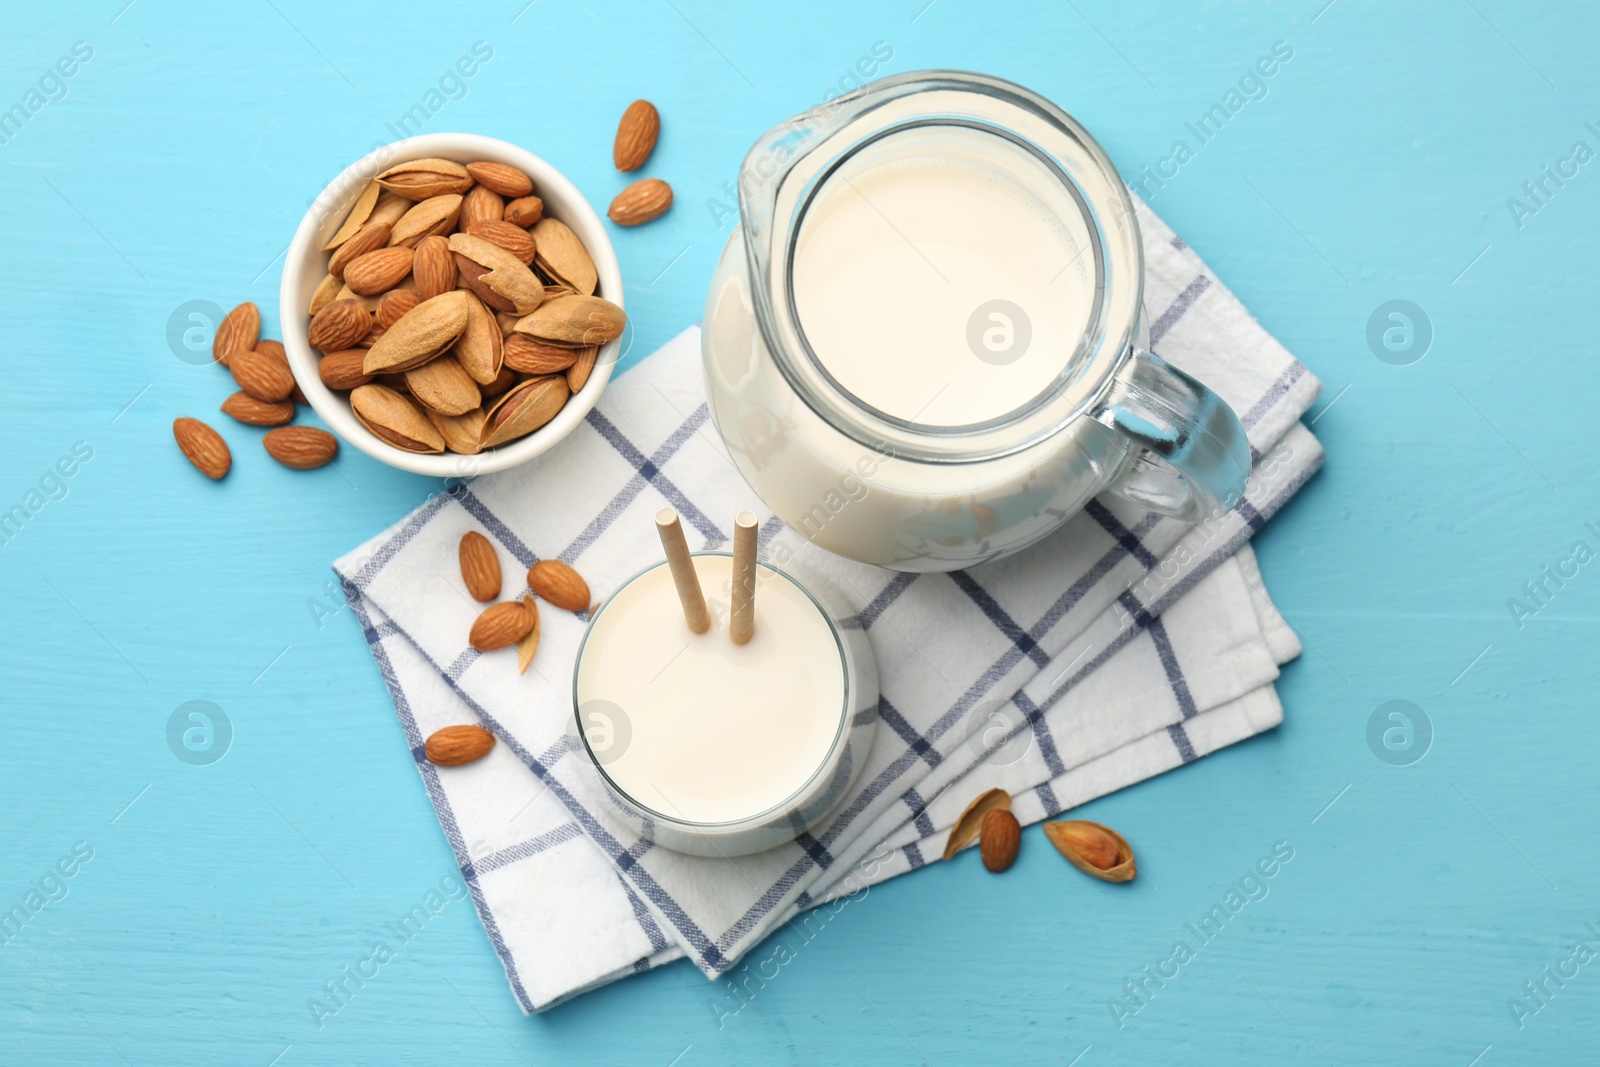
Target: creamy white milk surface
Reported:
[(713, 732), (902, 262)]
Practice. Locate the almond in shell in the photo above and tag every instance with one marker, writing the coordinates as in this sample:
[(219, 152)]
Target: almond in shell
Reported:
[(559, 584), (578, 373), (202, 446), (254, 412), (970, 823), (1096, 850), (463, 434), (432, 217), (441, 385), (420, 179), (456, 746), (360, 211), (481, 347), (506, 273), (562, 257), (301, 447), (575, 320), (499, 626), (524, 409), (480, 566), (389, 209), (326, 292), (420, 334), (395, 419)]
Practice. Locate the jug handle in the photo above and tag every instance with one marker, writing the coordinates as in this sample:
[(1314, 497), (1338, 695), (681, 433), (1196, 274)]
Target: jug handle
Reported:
[(1191, 458)]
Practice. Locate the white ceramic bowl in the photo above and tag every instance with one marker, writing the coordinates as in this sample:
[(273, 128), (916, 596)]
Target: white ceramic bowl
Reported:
[(306, 264)]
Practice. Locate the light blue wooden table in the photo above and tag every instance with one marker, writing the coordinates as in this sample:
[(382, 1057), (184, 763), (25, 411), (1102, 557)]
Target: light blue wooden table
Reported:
[(207, 903)]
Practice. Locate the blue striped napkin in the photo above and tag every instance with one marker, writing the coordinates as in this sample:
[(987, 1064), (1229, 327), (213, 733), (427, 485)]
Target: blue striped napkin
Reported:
[(989, 676)]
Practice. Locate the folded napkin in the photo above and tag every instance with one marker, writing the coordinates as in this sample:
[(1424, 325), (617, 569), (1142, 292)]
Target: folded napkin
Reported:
[(1017, 672)]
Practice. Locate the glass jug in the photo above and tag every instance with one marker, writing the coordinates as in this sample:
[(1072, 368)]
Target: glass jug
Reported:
[(920, 344)]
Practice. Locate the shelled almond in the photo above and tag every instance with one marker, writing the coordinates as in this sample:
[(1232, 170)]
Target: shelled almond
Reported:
[(455, 314)]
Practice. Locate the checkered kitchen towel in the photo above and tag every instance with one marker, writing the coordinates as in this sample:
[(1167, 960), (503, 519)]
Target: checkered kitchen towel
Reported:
[(575, 900)]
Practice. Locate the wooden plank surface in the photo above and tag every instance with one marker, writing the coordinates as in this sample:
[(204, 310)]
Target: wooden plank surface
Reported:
[(173, 166)]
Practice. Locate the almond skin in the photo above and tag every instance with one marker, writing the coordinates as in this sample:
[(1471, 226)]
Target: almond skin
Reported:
[(434, 267), (513, 239), (395, 303), (203, 446), (455, 746), (237, 332), (578, 373), (253, 412), (480, 566), (524, 211), (342, 370), (559, 584), (481, 204), (342, 324), (636, 135), (998, 840), (373, 235), (500, 626), (261, 376), (378, 271), (301, 447), (645, 199), (526, 356), (421, 179), (503, 178)]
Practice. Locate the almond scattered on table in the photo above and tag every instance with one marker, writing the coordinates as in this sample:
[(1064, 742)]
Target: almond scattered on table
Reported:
[(454, 746), (255, 412), (970, 823), (204, 447), (237, 332), (999, 839), (636, 135), (1096, 850), (301, 447), (645, 199), (260, 375)]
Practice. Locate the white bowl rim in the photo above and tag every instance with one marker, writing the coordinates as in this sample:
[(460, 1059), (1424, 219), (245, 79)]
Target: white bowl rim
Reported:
[(562, 200)]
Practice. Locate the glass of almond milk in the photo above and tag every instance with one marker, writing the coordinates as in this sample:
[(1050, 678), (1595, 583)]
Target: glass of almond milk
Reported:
[(714, 748), (921, 344)]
